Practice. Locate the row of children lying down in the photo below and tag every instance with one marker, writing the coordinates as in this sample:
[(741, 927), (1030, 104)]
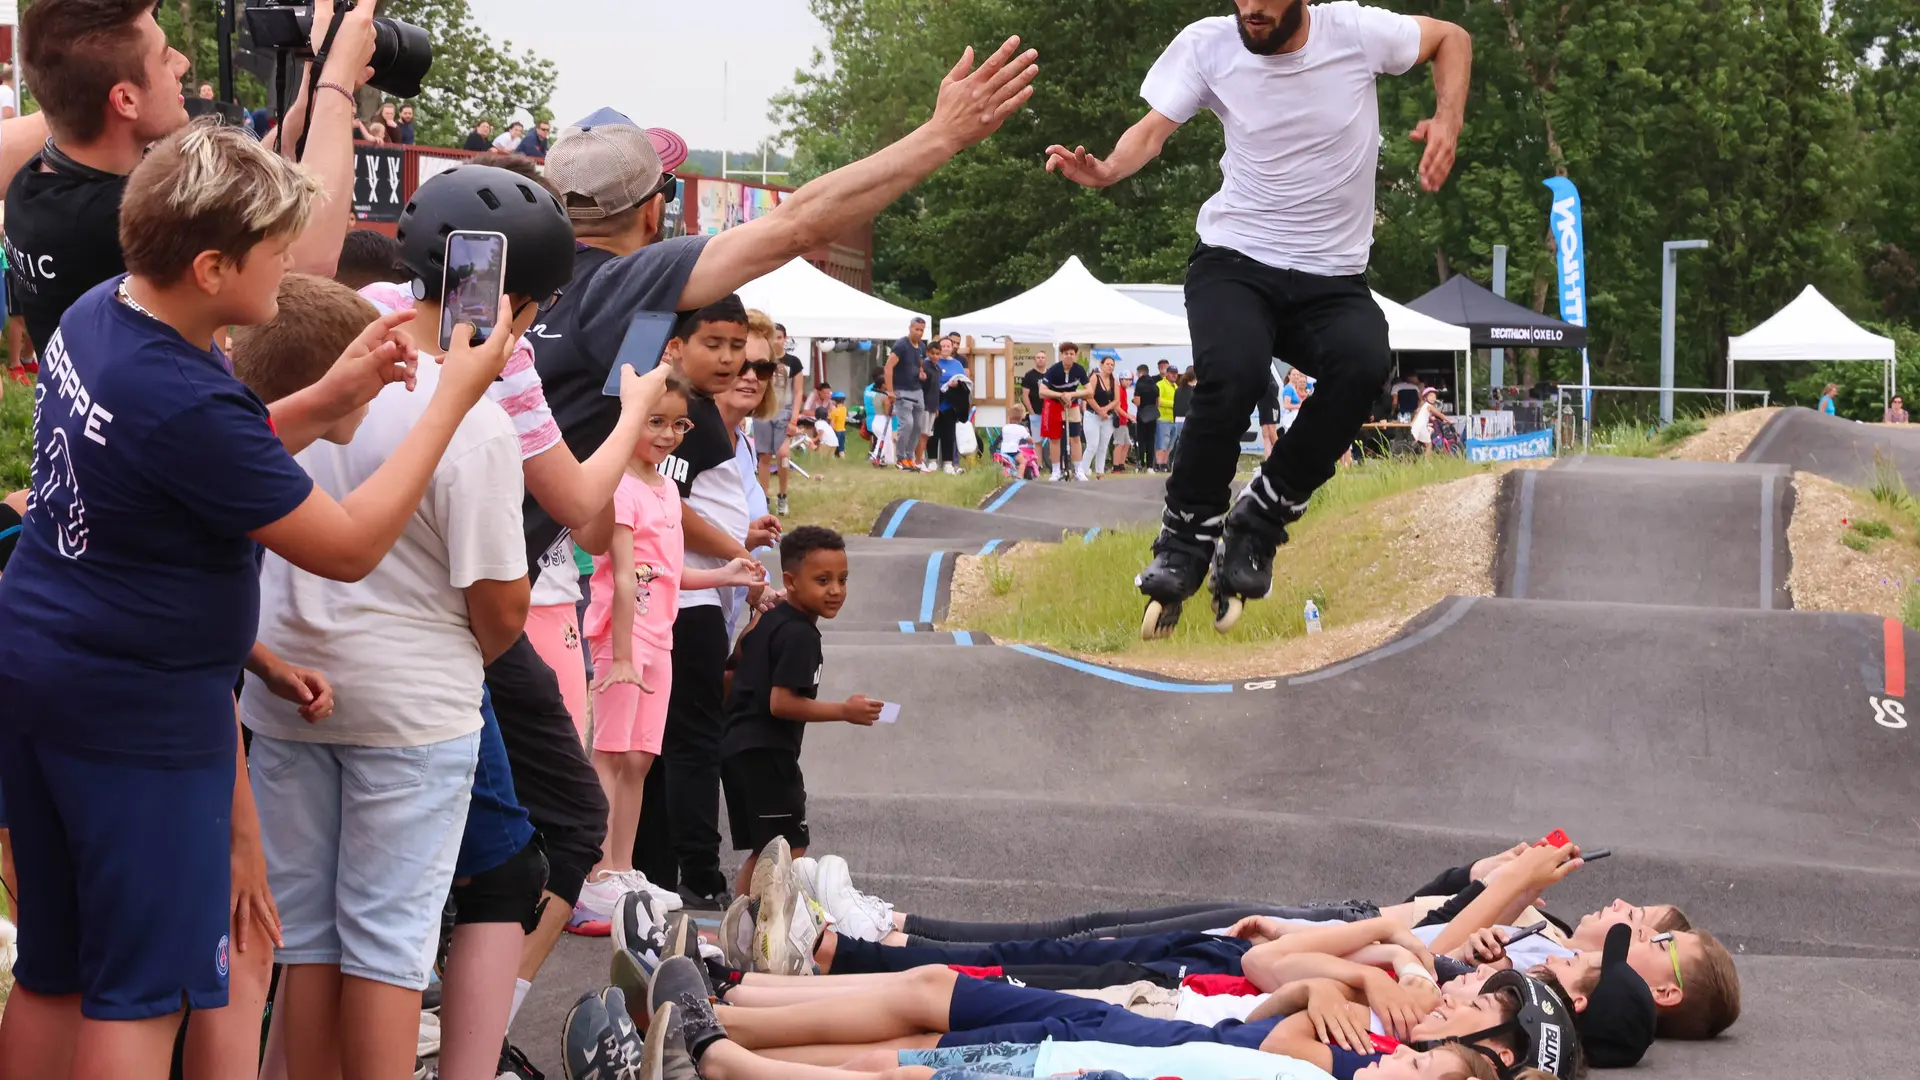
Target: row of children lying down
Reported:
[(813, 980)]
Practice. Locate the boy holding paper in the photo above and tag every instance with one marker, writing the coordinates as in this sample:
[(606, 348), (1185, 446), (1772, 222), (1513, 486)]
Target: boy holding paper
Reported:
[(775, 692)]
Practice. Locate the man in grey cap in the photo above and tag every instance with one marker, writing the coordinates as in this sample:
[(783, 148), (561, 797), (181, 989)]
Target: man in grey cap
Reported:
[(615, 179)]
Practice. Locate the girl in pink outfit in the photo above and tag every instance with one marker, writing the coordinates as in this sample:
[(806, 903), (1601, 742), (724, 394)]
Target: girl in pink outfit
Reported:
[(629, 628)]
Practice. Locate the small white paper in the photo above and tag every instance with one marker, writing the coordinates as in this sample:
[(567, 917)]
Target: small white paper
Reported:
[(889, 712)]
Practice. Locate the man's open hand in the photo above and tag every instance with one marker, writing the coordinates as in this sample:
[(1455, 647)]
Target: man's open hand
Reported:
[(975, 102)]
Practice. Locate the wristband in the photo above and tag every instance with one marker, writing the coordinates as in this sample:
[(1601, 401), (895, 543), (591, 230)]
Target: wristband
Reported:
[(343, 91), (1403, 969)]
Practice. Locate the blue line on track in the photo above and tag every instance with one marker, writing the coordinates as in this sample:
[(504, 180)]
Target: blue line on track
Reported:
[(931, 590), (961, 637), (899, 515), (989, 549), (1090, 534), (906, 628), (1005, 495), (1136, 681)]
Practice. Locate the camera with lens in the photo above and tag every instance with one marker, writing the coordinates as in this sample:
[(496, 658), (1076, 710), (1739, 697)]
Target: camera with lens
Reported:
[(402, 53)]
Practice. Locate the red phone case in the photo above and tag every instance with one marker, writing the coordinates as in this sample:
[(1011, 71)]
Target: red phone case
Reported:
[(1556, 838)]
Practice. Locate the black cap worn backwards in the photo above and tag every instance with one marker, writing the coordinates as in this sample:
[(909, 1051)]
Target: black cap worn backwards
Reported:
[(1617, 1025)]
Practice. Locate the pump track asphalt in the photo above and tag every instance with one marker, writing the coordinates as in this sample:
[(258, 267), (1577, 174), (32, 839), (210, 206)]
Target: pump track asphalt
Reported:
[(1640, 679)]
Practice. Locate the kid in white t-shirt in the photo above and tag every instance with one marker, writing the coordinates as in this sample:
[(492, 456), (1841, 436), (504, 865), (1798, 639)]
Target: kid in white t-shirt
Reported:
[(1017, 455)]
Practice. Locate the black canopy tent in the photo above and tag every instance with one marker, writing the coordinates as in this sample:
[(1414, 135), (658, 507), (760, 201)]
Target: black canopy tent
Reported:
[(1497, 323)]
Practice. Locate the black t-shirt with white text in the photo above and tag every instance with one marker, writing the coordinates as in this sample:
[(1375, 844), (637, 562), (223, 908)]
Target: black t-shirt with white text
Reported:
[(710, 484), (63, 238), (782, 649), (575, 343)]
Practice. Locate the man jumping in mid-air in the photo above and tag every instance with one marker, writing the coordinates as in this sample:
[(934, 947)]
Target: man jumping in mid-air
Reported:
[(1280, 269)]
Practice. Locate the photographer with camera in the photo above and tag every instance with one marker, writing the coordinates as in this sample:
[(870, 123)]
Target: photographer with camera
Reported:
[(109, 86)]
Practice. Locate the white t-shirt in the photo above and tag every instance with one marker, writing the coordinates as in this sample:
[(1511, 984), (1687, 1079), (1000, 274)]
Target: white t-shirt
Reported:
[(7, 100), (556, 580), (507, 141), (398, 646), (1012, 437), (1303, 131), (1188, 1061), (1210, 1009)]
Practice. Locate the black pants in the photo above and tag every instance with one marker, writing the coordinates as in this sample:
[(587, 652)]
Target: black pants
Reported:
[(1244, 313), (1138, 923), (551, 773), (679, 839), (944, 446)]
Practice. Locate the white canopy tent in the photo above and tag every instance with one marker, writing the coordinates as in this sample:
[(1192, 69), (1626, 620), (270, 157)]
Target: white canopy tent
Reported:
[(1810, 328), (1073, 305), (813, 304)]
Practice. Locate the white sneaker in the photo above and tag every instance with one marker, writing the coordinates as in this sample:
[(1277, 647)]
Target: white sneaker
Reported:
[(806, 871), (593, 912), (664, 901), (429, 1044), (950, 469), (737, 934), (855, 914), (1055, 478), (928, 467), (1081, 475)]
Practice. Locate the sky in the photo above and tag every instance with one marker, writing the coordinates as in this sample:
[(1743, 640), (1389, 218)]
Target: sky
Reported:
[(666, 63)]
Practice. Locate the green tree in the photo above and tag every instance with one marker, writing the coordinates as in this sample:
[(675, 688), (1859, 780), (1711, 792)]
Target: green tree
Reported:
[(474, 76)]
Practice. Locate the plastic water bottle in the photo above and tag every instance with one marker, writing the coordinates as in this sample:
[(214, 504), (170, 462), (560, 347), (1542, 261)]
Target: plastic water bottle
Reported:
[(1313, 617)]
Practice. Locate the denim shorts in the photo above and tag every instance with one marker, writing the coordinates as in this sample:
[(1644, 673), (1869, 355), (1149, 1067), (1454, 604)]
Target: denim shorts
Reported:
[(360, 844), (1163, 435)]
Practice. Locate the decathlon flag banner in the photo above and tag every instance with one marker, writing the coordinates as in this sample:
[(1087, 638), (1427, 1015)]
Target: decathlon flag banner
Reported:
[(1538, 444)]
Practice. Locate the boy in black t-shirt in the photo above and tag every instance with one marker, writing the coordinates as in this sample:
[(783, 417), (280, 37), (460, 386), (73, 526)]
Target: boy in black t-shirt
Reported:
[(775, 692)]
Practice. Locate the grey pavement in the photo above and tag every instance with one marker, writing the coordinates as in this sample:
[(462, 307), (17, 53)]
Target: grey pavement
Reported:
[(1640, 680), (1841, 450)]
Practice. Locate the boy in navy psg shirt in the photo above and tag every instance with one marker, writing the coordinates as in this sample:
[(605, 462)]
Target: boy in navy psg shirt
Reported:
[(133, 595)]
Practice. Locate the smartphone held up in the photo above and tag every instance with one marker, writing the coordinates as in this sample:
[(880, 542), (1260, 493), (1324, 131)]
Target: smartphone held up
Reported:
[(475, 278)]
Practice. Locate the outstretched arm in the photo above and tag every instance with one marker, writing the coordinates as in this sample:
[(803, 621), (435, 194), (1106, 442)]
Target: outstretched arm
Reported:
[(1141, 144), (972, 105), (1450, 49)]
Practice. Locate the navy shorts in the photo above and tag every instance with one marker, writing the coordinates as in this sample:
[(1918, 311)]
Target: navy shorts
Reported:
[(1177, 952), (988, 1012), (125, 878)]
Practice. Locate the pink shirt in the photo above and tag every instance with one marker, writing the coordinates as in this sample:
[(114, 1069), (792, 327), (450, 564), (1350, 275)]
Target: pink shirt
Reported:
[(659, 553)]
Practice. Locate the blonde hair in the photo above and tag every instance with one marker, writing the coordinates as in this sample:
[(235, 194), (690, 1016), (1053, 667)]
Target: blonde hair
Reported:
[(760, 325), (209, 188)]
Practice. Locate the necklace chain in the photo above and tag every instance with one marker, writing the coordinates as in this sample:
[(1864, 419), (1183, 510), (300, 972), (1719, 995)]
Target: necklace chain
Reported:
[(127, 299)]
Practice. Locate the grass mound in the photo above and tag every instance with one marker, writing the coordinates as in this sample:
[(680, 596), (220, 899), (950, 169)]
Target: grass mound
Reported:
[(847, 494), (1360, 554), (16, 434)]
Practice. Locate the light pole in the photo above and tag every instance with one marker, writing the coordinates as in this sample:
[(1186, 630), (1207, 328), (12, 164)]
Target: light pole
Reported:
[(1669, 262)]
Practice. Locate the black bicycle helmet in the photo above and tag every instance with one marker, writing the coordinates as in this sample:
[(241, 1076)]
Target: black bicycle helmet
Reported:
[(480, 198), (1544, 1024)]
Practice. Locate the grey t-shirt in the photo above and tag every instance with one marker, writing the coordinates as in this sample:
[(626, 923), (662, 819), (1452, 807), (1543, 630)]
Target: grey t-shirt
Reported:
[(575, 343)]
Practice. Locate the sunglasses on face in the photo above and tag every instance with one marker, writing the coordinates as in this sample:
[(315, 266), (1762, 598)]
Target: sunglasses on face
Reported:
[(657, 424), (764, 369)]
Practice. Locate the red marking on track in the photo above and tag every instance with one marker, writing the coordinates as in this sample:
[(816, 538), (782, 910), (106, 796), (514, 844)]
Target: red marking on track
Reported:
[(1896, 638)]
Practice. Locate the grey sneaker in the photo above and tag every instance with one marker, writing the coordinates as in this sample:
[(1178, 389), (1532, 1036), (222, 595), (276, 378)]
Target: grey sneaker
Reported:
[(589, 1047), (780, 506), (636, 926), (627, 1045), (676, 1062), (630, 972), (676, 982), (699, 1027)]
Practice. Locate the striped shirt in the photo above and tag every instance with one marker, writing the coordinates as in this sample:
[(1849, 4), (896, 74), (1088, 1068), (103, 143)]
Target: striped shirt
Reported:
[(517, 390)]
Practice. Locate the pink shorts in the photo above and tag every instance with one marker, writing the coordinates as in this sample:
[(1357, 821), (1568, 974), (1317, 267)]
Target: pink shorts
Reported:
[(555, 633), (626, 718)]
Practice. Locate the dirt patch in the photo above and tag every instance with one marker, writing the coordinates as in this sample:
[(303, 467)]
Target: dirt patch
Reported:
[(1829, 576), (1726, 437), (1440, 540)]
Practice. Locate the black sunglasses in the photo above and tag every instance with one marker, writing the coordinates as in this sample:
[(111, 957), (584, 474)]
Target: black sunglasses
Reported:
[(665, 185), (762, 368)]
